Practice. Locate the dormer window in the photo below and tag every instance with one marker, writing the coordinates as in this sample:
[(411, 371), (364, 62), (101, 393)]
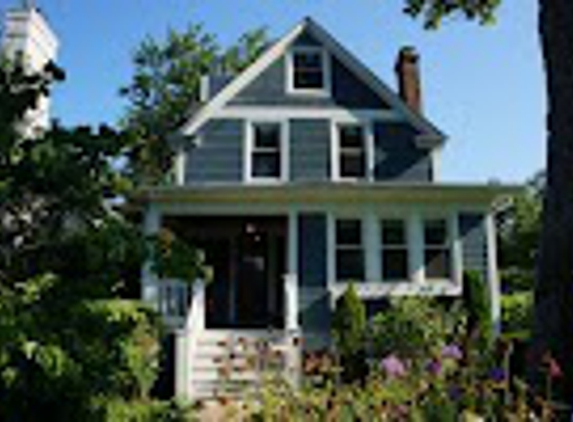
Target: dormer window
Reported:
[(309, 71)]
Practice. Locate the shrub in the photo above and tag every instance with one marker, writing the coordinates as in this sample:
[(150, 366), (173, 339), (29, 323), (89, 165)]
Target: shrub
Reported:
[(410, 328), (517, 314), (478, 307), (349, 328), (117, 410)]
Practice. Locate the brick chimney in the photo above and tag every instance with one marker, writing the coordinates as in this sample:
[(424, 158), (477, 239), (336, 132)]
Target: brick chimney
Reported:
[(408, 73)]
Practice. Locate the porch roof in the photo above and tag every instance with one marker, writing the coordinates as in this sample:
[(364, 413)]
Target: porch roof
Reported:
[(328, 192)]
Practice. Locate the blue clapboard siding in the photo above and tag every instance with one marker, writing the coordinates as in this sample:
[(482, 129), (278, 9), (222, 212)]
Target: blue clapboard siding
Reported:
[(314, 299), (270, 87), (396, 155), (219, 155), (474, 242), (309, 150)]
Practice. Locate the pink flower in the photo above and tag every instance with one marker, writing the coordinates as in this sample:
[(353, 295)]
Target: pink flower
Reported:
[(452, 351), (393, 366)]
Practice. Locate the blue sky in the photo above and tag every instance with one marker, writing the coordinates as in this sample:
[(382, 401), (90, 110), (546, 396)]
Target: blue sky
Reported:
[(481, 86)]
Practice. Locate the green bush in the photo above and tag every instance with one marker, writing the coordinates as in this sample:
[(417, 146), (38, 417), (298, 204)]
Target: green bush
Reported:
[(478, 307), (517, 313), (117, 410), (349, 329), (410, 328)]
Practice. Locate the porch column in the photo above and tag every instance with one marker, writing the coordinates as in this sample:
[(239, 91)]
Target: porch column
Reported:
[(492, 273), (151, 226), (291, 279), (416, 247)]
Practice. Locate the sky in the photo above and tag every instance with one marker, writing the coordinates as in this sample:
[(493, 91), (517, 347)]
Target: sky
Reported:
[(483, 86)]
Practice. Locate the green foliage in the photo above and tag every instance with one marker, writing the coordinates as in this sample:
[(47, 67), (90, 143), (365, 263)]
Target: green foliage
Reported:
[(117, 410), (349, 322), (478, 307), (165, 89), (517, 314), (412, 327), (348, 330), (433, 12)]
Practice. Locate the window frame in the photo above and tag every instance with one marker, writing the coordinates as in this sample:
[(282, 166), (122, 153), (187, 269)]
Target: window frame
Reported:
[(404, 247), (362, 248), (447, 247), (326, 89), (250, 149), (336, 149)]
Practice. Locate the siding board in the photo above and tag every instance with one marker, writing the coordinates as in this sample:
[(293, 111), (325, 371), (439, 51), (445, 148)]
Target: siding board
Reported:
[(309, 150)]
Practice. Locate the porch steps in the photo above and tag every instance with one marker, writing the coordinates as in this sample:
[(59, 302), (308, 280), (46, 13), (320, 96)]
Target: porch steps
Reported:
[(231, 364)]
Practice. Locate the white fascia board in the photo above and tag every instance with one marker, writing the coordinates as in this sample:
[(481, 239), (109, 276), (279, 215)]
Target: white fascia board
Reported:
[(431, 135), (241, 81), (284, 113)]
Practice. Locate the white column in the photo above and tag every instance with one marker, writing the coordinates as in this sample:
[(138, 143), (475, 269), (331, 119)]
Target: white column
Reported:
[(492, 272), (371, 233), (416, 247), (455, 249), (292, 262), (180, 159), (151, 226), (291, 278)]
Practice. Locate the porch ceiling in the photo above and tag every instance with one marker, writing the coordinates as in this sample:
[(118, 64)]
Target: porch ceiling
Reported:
[(328, 192)]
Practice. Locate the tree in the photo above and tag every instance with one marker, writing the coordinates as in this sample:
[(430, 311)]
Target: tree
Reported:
[(553, 331), (67, 260), (165, 89)]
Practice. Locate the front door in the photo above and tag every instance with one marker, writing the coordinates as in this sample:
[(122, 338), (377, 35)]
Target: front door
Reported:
[(252, 287)]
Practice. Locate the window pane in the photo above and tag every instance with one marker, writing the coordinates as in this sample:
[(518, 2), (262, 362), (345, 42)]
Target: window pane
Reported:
[(308, 70), (352, 165), (393, 232), (351, 136), (350, 265), (437, 263), (395, 264), (435, 232), (267, 135), (266, 164), (348, 232)]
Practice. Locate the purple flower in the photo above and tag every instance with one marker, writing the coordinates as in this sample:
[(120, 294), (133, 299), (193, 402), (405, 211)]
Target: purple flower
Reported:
[(434, 367), (452, 351), (497, 374), (393, 366), (454, 392)]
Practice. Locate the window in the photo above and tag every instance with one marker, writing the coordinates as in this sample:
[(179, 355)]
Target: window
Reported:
[(352, 151), (266, 154), (349, 250), (394, 250), (309, 69), (436, 249)]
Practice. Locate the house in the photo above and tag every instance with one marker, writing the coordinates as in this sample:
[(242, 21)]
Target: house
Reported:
[(299, 175)]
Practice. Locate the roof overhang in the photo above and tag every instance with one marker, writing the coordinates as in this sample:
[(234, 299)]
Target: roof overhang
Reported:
[(489, 195)]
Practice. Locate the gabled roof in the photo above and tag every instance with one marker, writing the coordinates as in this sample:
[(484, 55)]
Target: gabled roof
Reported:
[(430, 135)]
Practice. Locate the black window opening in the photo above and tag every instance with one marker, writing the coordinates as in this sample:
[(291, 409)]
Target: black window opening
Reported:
[(437, 257), (349, 250), (266, 151), (352, 150), (309, 70), (394, 250)]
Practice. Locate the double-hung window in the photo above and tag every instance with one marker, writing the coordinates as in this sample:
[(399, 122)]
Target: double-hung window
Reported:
[(266, 151), (309, 70), (437, 249), (349, 250), (352, 155), (394, 250)]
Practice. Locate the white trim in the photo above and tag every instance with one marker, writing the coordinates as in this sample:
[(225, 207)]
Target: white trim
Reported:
[(326, 89), (335, 50), (492, 271), (368, 144), (306, 112), (180, 163), (415, 235), (241, 81), (248, 149), (457, 260)]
